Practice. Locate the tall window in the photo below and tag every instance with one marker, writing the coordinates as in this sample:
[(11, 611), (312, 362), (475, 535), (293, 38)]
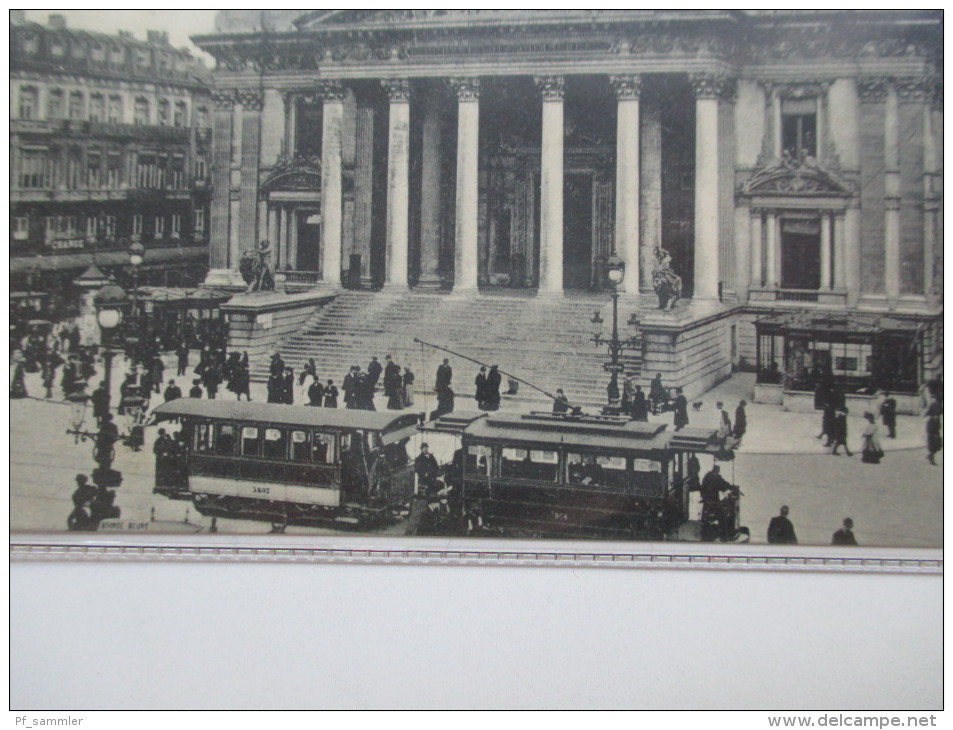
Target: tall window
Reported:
[(177, 173), (113, 170), (800, 252), (146, 171), (116, 56), (97, 108), (141, 111), (54, 104), (20, 228), (137, 225), (94, 170), (201, 117), (34, 171), (30, 44), (142, 59), (799, 127), (162, 111), (92, 226), (200, 169), (74, 169), (176, 228), (98, 53), (114, 115), (76, 105), (180, 114), (57, 49), (160, 226), (28, 102), (109, 226), (200, 221)]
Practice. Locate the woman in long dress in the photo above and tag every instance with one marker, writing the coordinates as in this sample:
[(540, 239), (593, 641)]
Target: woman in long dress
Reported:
[(18, 384), (872, 452)]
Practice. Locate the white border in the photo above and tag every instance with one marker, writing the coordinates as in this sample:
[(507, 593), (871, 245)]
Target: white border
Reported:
[(370, 550)]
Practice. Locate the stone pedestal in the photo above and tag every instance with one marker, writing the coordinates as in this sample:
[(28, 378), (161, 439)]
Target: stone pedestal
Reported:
[(258, 322)]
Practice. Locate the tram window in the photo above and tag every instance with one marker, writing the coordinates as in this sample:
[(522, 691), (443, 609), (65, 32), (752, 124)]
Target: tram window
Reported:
[(203, 437), (300, 448), (249, 441), (530, 464), (274, 445), (345, 442), (225, 438), (591, 470), (322, 448), (479, 459)]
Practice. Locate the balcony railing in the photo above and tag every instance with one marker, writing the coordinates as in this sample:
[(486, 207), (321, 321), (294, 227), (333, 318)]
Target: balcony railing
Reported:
[(797, 295)]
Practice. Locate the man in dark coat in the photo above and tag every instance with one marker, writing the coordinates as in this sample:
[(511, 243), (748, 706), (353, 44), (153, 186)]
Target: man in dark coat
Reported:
[(277, 366), (741, 420), (781, 530), (426, 469), (845, 535), (480, 384), (288, 387), (391, 377), (681, 409), (348, 385), (107, 436), (182, 357), (373, 372), (639, 406), (444, 376), (560, 402), (172, 391), (100, 403), (657, 391), (888, 411), (839, 435), (492, 389), (196, 390), (330, 395), (316, 394)]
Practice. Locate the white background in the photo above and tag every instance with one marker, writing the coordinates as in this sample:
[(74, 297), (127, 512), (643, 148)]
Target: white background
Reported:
[(302, 636)]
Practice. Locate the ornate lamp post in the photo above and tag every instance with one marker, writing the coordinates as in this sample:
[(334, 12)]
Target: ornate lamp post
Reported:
[(77, 413), (615, 274), (111, 306)]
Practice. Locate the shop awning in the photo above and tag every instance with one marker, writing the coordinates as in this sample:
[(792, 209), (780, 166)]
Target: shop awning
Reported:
[(80, 261)]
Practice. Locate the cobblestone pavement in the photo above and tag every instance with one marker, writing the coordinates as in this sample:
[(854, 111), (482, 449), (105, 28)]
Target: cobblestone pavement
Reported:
[(897, 503)]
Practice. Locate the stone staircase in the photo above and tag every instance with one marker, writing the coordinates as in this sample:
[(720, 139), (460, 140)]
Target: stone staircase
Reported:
[(544, 340)]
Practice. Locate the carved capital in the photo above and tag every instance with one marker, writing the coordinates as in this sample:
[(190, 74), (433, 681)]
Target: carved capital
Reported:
[(627, 88), (551, 88), (872, 89), (711, 86), (330, 90), (252, 100), (913, 90), (223, 100), (398, 90), (466, 89)]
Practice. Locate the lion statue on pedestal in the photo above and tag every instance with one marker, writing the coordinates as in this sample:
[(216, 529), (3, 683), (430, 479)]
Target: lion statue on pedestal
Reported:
[(255, 268)]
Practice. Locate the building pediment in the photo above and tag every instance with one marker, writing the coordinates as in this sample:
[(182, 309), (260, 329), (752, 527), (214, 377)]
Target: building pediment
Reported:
[(796, 178), (299, 174)]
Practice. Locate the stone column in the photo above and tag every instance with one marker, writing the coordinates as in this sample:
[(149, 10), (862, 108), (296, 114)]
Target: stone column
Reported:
[(770, 250), (221, 171), (332, 205), (285, 254), (273, 230), (252, 101), (708, 89), (825, 251), (931, 200), (430, 194), (363, 188), (468, 134), (891, 195), (398, 199), (291, 113), (650, 189), (272, 128), (757, 275), (627, 90), (553, 91), (840, 253)]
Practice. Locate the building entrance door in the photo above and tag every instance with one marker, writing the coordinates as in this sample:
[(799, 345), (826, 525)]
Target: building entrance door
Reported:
[(309, 242), (800, 254), (577, 232)]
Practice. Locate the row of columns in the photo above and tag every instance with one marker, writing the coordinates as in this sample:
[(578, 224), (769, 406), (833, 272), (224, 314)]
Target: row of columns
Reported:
[(708, 90)]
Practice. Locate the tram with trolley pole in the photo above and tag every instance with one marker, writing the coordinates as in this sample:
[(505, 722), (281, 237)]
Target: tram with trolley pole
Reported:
[(287, 465), (574, 475)]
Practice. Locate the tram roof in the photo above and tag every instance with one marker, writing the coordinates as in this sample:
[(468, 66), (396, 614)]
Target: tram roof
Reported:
[(284, 415), (589, 432)]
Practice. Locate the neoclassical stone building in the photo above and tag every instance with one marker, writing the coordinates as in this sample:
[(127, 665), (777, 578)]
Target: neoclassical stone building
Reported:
[(789, 161)]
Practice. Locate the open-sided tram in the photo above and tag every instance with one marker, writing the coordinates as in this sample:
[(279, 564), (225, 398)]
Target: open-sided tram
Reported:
[(288, 465)]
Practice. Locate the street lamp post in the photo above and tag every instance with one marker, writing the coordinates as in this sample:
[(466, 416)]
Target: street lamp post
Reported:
[(111, 306), (615, 274), (136, 256)]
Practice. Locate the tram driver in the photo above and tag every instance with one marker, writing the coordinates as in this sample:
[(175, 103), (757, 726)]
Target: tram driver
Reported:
[(713, 506)]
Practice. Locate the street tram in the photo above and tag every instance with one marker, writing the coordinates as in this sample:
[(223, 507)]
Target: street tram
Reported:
[(287, 464), (546, 475)]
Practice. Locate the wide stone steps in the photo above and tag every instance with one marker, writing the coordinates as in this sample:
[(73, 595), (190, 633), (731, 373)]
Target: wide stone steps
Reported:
[(545, 342)]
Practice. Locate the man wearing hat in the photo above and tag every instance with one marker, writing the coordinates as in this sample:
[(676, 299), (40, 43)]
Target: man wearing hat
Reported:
[(426, 469), (196, 390), (845, 535)]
